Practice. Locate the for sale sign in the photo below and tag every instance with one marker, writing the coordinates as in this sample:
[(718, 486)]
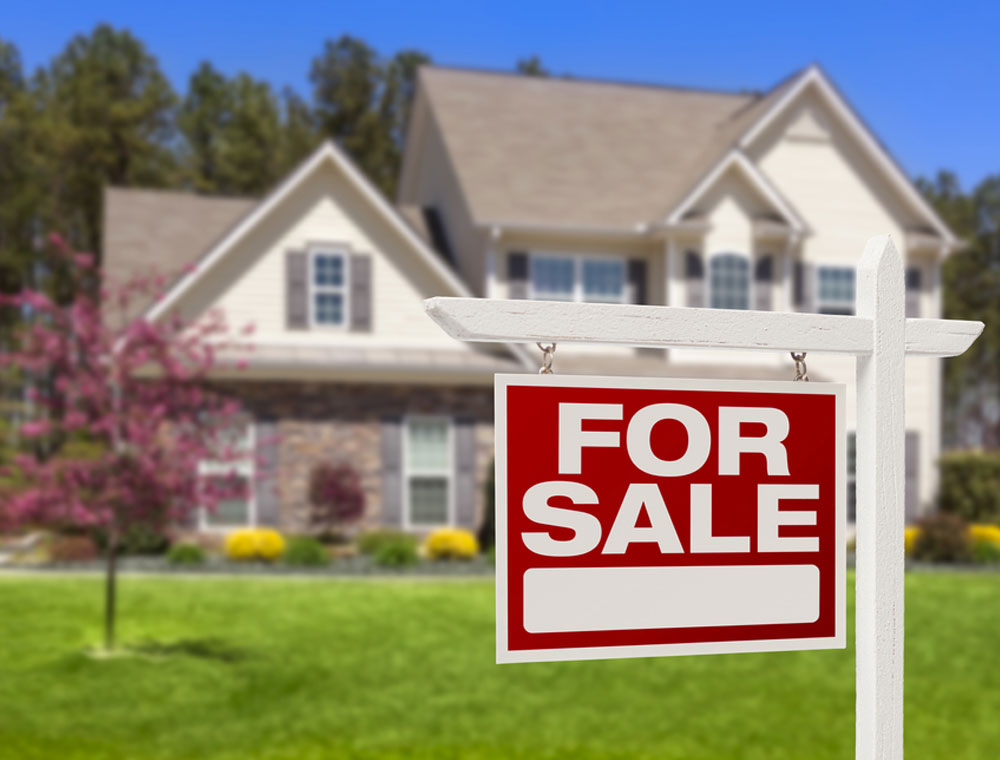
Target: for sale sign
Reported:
[(642, 517)]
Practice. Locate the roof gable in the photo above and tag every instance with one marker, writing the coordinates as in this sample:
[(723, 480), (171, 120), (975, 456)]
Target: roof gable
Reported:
[(813, 80), (326, 154)]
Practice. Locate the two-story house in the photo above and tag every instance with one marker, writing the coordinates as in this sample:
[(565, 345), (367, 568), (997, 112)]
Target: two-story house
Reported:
[(517, 187)]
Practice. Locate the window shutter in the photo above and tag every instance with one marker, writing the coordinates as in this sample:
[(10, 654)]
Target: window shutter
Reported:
[(763, 276), (911, 487), (636, 287), (517, 274), (803, 287), (360, 272), (694, 278), (297, 289), (914, 291), (465, 473), (392, 471), (265, 483)]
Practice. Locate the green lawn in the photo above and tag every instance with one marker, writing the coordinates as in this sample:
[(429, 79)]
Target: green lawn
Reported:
[(286, 668)]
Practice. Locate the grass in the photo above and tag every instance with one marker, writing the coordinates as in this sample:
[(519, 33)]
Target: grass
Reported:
[(283, 668)]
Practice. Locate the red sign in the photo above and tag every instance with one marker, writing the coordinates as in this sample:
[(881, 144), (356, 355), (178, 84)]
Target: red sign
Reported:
[(642, 517)]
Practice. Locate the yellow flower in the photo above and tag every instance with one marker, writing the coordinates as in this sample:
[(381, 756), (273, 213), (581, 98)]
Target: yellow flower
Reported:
[(270, 544), (985, 534), (451, 543), (255, 543), (911, 535)]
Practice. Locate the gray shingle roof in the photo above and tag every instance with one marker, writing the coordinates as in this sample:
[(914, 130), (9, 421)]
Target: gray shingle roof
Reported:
[(581, 153)]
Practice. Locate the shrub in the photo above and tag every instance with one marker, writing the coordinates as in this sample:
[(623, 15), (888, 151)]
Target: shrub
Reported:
[(451, 543), (398, 551), (970, 485), (943, 538), (306, 551), (336, 495), (136, 540), (185, 554), (72, 549), (985, 541), (255, 543), (371, 541)]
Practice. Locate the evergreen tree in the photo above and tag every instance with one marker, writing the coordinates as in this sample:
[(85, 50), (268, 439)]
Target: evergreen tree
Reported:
[(107, 119)]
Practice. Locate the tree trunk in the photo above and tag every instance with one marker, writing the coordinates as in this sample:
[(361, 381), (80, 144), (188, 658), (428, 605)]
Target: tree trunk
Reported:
[(110, 588)]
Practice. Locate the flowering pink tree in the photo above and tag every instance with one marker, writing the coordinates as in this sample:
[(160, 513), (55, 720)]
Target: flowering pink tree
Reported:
[(137, 391)]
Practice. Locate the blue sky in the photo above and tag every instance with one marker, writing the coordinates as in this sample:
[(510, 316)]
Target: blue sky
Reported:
[(926, 79)]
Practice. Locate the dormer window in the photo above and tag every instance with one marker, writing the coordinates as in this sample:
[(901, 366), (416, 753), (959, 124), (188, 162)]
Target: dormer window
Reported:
[(328, 284), (729, 281)]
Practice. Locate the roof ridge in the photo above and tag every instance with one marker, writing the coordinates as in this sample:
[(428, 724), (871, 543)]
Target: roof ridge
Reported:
[(573, 79)]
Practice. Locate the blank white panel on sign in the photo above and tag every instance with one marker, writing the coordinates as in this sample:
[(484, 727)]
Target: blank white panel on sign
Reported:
[(567, 599)]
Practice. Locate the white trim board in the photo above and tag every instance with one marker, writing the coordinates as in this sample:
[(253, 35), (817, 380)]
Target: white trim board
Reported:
[(483, 320)]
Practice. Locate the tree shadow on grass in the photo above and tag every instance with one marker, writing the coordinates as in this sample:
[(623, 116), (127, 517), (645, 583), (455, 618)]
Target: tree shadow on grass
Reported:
[(206, 649)]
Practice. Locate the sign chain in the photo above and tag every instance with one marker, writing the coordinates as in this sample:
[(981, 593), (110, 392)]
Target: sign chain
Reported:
[(801, 373)]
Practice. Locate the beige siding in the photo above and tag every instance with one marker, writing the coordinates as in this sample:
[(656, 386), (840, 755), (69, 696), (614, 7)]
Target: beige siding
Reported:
[(814, 164), (249, 283)]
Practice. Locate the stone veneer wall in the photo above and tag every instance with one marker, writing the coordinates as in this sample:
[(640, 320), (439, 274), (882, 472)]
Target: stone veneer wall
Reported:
[(342, 422)]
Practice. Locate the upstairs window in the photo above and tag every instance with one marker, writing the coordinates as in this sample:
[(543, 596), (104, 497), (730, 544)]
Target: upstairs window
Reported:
[(578, 278), (428, 468), (328, 281), (835, 290), (729, 281), (553, 278)]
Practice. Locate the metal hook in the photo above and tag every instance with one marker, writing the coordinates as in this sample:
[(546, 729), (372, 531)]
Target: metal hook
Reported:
[(547, 352)]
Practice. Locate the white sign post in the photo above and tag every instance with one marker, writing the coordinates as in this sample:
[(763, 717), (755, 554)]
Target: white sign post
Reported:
[(879, 336)]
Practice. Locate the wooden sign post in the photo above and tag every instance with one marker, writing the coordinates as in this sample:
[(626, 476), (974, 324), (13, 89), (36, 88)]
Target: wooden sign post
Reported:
[(879, 336)]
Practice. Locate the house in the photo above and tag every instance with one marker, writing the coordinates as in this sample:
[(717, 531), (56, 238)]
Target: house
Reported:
[(520, 187)]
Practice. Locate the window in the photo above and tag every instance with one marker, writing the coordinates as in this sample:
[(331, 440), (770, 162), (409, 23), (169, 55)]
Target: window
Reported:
[(328, 279), (238, 511), (553, 279), (835, 290), (852, 490), (729, 283), (428, 470), (577, 278)]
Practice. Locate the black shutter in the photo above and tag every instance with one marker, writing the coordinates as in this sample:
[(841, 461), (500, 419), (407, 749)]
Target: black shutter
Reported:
[(763, 276), (266, 481), (465, 473), (636, 292), (297, 289), (517, 274), (360, 271), (392, 471), (914, 291), (694, 278), (803, 287)]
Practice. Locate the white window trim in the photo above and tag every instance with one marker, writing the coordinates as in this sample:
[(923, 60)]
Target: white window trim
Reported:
[(244, 467), (447, 472), (751, 294), (577, 259), (820, 304), (342, 289)]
